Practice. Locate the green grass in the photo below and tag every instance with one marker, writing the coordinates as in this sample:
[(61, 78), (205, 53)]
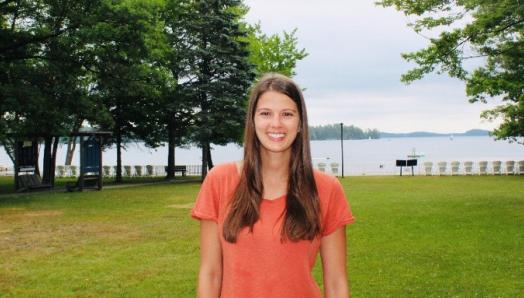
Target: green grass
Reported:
[(414, 237)]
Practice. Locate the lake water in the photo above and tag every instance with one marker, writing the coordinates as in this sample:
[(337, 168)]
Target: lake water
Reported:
[(361, 157)]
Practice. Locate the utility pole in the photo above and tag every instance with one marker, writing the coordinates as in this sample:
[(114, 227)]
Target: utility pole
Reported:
[(342, 146)]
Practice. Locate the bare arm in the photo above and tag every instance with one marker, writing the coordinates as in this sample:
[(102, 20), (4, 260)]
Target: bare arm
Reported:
[(333, 254), (210, 275)]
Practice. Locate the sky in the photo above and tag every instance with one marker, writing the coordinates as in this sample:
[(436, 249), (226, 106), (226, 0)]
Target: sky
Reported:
[(352, 73)]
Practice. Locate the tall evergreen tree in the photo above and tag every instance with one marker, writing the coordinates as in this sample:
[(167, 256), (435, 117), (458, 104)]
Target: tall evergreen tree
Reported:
[(219, 75)]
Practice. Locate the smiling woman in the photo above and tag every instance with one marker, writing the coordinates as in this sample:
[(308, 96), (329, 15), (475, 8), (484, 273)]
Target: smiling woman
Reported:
[(276, 122), (264, 219)]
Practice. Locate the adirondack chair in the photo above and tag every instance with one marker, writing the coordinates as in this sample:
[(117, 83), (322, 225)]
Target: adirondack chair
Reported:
[(520, 170), (496, 167), (468, 167), (127, 171), (510, 167), (138, 171), (60, 171), (149, 170), (455, 165), (107, 171), (322, 166), (334, 168), (428, 168), (483, 166), (442, 167)]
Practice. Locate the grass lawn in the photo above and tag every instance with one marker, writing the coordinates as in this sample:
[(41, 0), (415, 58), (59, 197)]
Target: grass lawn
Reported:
[(414, 237)]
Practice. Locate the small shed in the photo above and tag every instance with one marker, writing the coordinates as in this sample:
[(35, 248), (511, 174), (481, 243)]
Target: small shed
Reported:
[(90, 160)]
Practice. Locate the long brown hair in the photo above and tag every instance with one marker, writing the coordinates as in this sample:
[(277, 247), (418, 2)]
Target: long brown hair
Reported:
[(302, 214)]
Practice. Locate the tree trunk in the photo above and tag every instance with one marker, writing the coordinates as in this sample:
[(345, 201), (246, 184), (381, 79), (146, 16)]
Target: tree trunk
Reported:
[(171, 152), (37, 166), (118, 177), (209, 159), (204, 160), (71, 146), (53, 160), (46, 178)]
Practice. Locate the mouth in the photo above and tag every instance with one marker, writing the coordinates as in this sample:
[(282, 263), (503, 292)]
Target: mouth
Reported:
[(276, 136)]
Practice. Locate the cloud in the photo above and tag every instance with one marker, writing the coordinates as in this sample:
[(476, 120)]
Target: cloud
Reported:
[(427, 107), (352, 73)]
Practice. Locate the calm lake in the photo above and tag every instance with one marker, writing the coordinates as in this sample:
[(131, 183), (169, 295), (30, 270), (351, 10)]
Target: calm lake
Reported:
[(361, 157)]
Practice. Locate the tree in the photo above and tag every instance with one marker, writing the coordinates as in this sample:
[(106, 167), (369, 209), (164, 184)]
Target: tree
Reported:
[(489, 31), (43, 88), (177, 114), (219, 74), (128, 44), (274, 53)]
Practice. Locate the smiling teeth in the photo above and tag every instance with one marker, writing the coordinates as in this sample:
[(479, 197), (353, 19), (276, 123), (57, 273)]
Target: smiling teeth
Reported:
[(276, 135)]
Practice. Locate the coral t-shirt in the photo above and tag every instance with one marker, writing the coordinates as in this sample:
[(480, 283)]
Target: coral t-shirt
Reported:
[(259, 264)]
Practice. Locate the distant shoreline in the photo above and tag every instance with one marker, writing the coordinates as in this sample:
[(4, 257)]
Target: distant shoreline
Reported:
[(469, 133), (417, 134)]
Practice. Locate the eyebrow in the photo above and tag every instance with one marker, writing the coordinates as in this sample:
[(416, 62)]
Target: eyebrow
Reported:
[(284, 110)]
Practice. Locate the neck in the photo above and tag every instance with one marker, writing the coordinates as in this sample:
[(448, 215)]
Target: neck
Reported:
[(275, 164)]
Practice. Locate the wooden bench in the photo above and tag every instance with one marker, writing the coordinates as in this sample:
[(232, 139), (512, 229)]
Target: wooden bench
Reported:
[(180, 169), (31, 182)]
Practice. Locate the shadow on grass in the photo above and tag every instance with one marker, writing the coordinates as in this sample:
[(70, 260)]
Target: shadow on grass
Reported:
[(7, 183)]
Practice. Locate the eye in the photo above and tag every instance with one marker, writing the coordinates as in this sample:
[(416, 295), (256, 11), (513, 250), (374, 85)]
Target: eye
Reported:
[(264, 113), (288, 114)]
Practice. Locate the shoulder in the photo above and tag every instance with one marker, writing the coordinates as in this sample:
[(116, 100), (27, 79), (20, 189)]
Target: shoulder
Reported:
[(327, 186), (324, 180), (224, 173), (223, 170)]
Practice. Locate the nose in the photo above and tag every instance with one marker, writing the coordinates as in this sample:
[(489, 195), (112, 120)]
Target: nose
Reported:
[(276, 121)]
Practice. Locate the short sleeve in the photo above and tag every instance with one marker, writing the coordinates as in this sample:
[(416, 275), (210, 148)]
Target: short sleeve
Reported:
[(338, 213), (207, 202)]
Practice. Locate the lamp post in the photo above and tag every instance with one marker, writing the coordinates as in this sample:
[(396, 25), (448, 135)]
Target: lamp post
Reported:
[(342, 146)]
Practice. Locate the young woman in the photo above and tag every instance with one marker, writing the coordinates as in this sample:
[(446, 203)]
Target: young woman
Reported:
[(264, 219)]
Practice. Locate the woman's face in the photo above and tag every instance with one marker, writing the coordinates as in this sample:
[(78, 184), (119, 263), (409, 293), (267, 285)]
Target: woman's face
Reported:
[(276, 121)]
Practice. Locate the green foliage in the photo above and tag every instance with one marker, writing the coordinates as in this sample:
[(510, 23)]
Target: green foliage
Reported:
[(332, 132), (492, 31), (219, 73), (155, 71), (274, 53)]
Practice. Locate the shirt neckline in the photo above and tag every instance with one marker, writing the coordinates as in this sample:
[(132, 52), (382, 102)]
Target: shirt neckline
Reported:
[(274, 200)]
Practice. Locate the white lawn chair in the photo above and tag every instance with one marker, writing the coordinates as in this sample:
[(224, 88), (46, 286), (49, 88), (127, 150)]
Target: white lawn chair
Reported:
[(334, 168), (60, 171), (428, 168), (73, 171), (322, 166), (496, 167), (160, 170), (107, 171), (149, 170), (483, 167), (468, 167), (127, 171), (510, 167), (442, 167), (520, 170), (138, 171), (455, 168)]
